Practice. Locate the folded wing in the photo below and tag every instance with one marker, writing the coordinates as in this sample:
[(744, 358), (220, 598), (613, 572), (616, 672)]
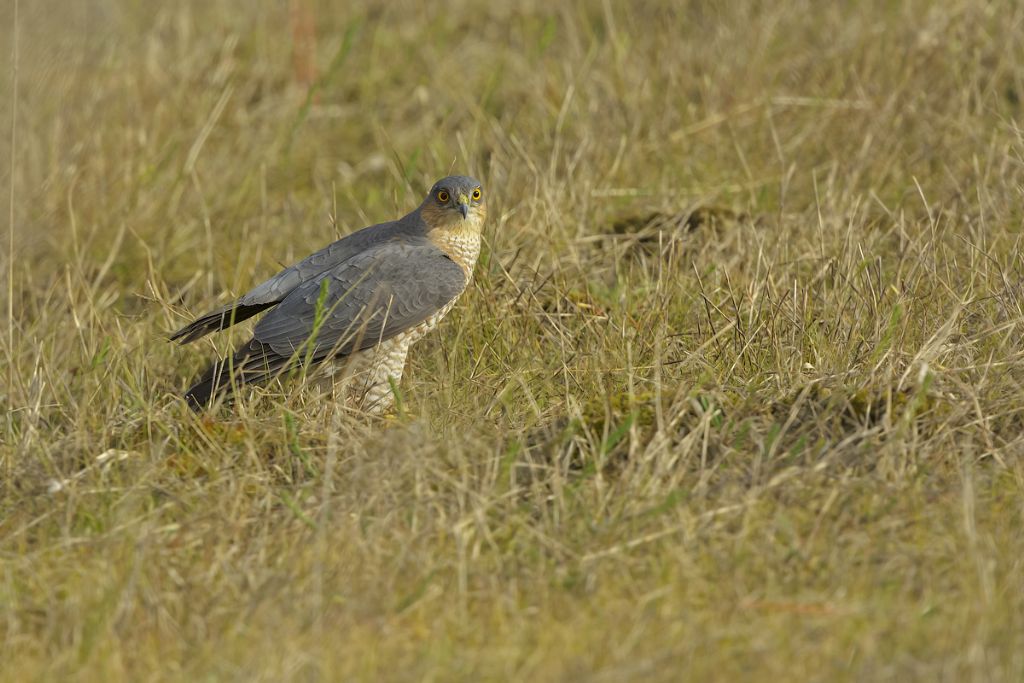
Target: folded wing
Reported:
[(372, 296), (271, 292)]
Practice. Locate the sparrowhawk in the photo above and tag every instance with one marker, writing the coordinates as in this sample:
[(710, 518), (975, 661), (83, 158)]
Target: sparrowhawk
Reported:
[(355, 306)]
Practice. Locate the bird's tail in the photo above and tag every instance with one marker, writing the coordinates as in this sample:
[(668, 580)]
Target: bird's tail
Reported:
[(218, 320), (253, 363)]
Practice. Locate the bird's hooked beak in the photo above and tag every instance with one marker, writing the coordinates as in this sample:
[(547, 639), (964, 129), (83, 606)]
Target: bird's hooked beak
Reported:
[(463, 205)]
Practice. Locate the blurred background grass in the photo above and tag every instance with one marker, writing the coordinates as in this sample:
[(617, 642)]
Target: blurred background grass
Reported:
[(735, 394)]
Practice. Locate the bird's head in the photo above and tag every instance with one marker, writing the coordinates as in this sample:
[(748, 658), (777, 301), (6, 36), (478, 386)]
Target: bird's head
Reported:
[(454, 203)]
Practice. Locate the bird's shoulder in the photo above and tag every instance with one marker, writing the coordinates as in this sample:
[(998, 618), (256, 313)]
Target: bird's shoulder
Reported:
[(403, 262), (399, 232)]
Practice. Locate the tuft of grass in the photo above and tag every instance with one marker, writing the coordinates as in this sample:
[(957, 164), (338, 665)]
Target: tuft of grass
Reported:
[(735, 393)]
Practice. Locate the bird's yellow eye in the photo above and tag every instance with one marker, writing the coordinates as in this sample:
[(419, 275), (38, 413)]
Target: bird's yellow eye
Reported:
[(443, 196), (477, 194)]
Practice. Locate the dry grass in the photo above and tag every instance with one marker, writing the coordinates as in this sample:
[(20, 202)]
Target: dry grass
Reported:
[(736, 394)]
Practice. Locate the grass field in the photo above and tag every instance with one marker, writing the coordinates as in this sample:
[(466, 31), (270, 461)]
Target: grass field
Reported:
[(737, 392)]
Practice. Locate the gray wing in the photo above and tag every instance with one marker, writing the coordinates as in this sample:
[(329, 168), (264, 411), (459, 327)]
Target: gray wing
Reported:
[(371, 297), (273, 291)]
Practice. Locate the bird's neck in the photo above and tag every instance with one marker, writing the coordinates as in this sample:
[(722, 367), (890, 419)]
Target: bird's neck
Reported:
[(460, 241)]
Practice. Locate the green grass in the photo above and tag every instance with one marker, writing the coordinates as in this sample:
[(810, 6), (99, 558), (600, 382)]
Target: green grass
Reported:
[(735, 395)]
